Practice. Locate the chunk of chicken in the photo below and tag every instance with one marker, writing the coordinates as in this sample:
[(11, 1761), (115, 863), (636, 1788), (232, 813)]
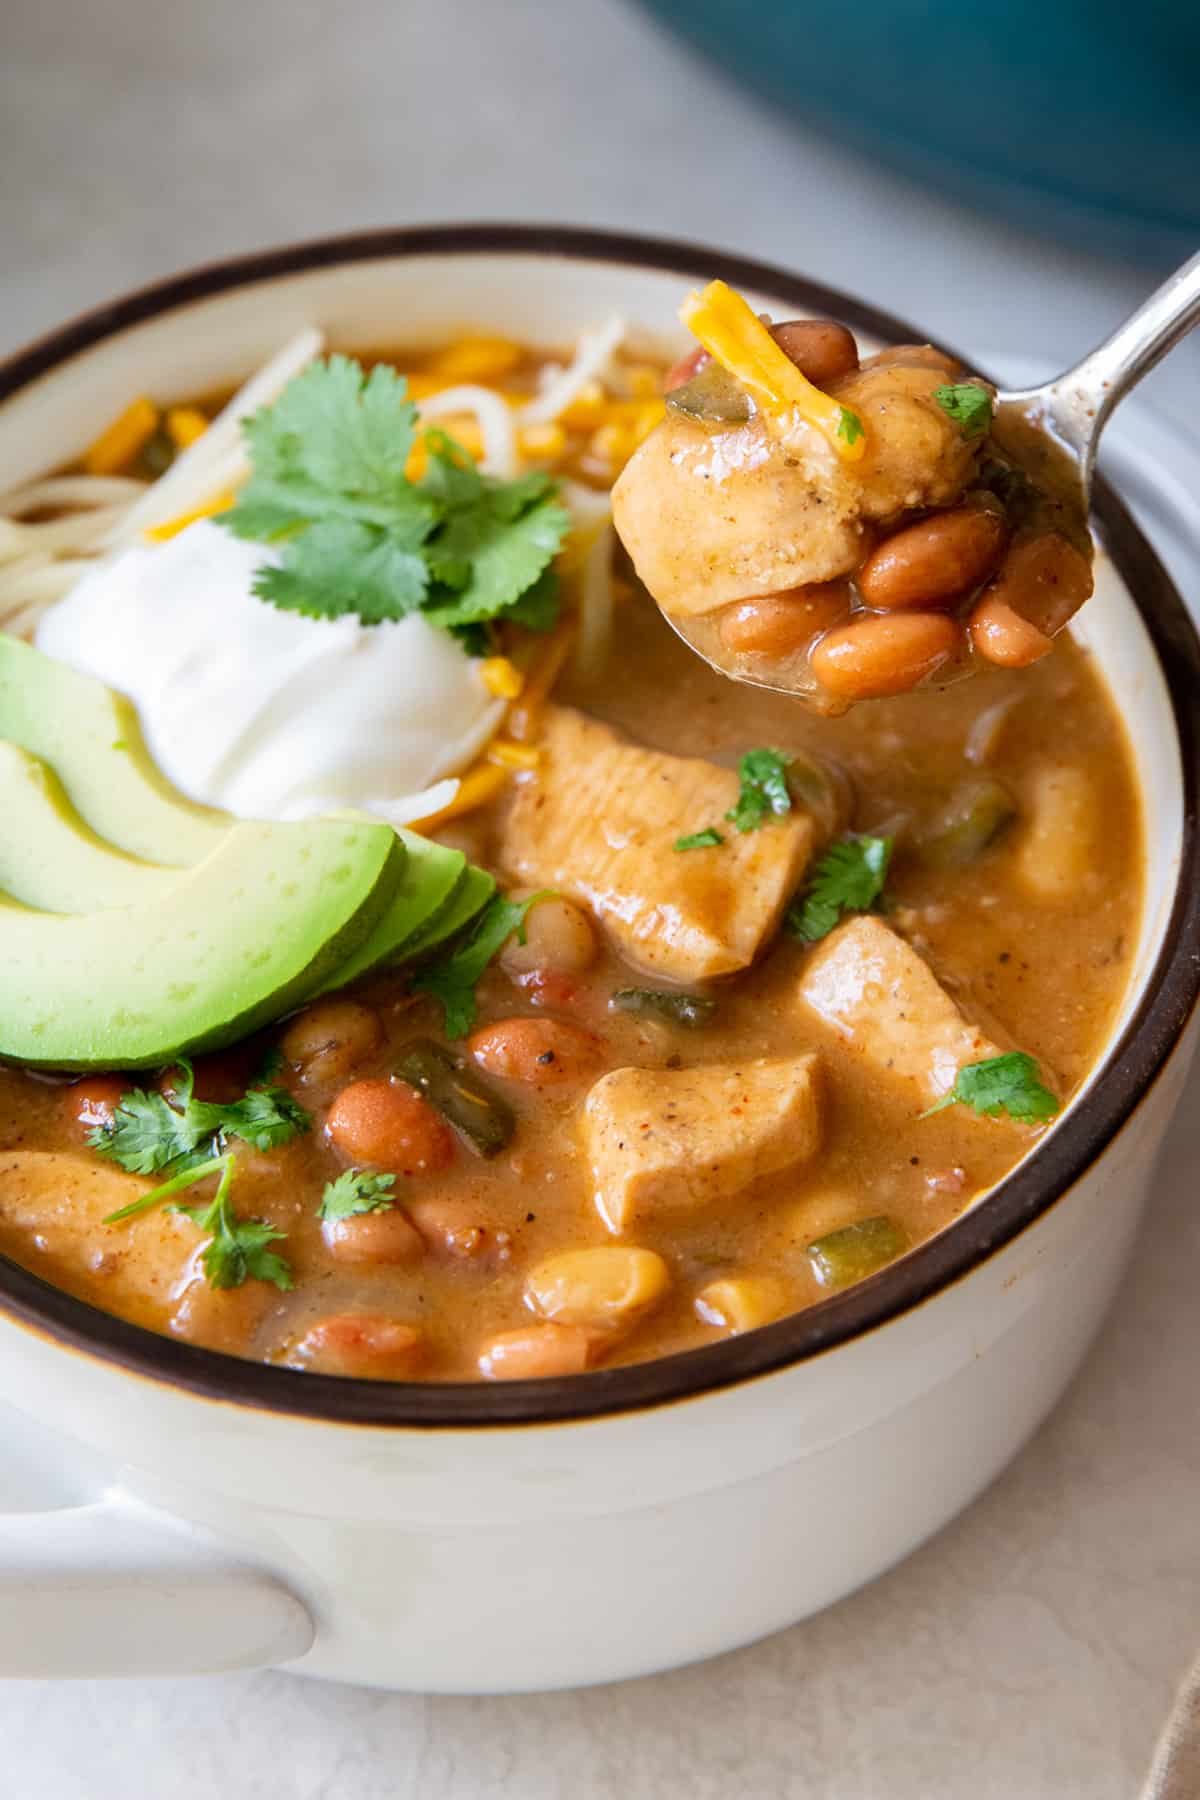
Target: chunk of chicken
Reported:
[(714, 513), (599, 822), (875, 991), (916, 454), (711, 514), (667, 1140), (52, 1212)]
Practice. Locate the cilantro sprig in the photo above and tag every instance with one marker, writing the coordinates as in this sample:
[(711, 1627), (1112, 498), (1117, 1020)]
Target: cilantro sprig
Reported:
[(187, 1139), (356, 1191), (355, 534), (764, 789), (968, 404), (850, 877), (452, 978), (1011, 1084), (238, 1249), (150, 1132)]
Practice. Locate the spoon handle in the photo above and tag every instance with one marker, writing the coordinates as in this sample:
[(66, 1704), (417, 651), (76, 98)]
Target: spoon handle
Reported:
[(1081, 400)]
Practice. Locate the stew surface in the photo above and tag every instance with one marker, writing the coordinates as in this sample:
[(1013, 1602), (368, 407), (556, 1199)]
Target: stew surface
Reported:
[(669, 1118)]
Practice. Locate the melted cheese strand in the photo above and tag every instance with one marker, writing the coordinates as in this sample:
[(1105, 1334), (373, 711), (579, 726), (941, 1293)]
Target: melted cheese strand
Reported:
[(736, 337)]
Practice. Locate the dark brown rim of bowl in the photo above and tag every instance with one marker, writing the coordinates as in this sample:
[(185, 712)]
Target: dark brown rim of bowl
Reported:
[(1132, 1065)]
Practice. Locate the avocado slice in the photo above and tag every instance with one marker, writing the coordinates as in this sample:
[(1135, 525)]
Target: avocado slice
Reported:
[(91, 738), (431, 874), (50, 859), (246, 935), (469, 898)]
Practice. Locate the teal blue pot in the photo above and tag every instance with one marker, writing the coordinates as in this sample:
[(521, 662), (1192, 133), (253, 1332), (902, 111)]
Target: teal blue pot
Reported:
[(1078, 117)]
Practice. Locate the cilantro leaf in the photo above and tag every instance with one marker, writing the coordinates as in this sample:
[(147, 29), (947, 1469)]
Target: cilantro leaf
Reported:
[(356, 1191), (968, 404), (452, 978), (707, 839), (330, 489), (764, 789), (849, 878), (264, 1117), (1011, 1083), (149, 1133), (339, 566), (850, 426), (238, 1249)]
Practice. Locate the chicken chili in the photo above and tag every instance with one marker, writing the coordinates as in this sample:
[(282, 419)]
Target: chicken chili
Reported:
[(658, 1007)]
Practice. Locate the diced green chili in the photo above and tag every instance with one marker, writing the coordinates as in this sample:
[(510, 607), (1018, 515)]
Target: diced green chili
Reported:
[(855, 1251), (157, 454), (971, 821), (476, 1113), (713, 395), (688, 1010)]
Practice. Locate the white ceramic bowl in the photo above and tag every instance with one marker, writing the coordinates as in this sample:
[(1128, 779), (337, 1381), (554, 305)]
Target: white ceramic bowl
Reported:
[(482, 1538)]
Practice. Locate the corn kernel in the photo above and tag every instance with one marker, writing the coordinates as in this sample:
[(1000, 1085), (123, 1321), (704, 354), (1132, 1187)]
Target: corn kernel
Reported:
[(417, 462), (477, 786), (475, 359), (610, 444), (184, 425), (508, 755), (544, 442), (587, 409), (465, 431), (159, 534), (115, 448), (501, 677), (423, 387), (645, 381)]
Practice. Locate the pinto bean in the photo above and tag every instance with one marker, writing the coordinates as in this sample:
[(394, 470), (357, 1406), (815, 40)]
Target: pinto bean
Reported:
[(1045, 579), (605, 1289), (820, 348), (329, 1040), (387, 1125), (558, 936), (884, 653), (369, 1344), (933, 562), (534, 1351), (373, 1237), (784, 623), (542, 1052), (450, 1225), (1000, 635)]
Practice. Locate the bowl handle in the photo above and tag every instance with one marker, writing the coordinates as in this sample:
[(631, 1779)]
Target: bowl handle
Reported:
[(114, 1588)]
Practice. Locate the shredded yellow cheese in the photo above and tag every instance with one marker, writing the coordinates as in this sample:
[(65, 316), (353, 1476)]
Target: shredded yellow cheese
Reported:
[(507, 755), (501, 677), (477, 786), (115, 448), (158, 534), (184, 425), (736, 337)]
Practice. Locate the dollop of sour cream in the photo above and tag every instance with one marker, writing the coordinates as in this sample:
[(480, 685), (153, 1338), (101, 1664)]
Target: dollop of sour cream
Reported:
[(265, 713)]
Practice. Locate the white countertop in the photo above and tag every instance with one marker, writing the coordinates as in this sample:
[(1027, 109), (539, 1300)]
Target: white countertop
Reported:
[(1028, 1652)]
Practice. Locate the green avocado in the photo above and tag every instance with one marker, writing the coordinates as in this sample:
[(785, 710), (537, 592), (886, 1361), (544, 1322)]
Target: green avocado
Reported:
[(469, 897), (50, 859), (91, 738), (432, 873), (246, 935)]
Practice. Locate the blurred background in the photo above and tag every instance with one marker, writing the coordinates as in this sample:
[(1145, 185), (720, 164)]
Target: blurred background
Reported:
[(1012, 176)]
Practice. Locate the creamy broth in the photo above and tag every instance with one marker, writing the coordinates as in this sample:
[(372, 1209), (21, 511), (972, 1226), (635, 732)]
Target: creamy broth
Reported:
[(1037, 962)]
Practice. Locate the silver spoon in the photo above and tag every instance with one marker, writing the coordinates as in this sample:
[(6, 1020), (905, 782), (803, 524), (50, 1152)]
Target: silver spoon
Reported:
[(1052, 431), (1059, 423)]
